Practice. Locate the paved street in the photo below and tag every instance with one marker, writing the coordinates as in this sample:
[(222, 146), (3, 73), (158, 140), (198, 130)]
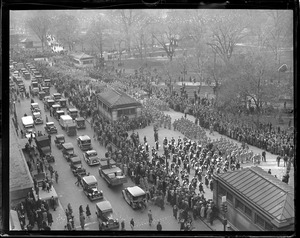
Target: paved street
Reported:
[(68, 192)]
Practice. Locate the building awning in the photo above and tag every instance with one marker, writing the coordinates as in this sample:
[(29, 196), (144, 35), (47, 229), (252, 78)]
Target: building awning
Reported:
[(14, 222), (262, 190), (116, 99)]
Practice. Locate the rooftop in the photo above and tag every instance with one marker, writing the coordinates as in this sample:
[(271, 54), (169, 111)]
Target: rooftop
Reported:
[(81, 56), (19, 175), (115, 99), (262, 190)]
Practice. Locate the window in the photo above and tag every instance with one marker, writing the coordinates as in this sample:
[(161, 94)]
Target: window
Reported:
[(229, 197), (222, 191), (259, 221), (268, 226), (132, 111), (239, 205), (248, 212), (119, 113)]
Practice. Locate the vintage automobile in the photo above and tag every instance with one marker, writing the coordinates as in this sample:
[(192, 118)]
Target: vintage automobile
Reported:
[(135, 197), (50, 127), (43, 145), (84, 142), (29, 133), (37, 118), (49, 103), (42, 95), (80, 123), (91, 157), (58, 114), (63, 102), (35, 107), (46, 90), (59, 140), (47, 82), (90, 188), (55, 108), (68, 151), (73, 112), (56, 97), (76, 166), (105, 217), (46, 98)]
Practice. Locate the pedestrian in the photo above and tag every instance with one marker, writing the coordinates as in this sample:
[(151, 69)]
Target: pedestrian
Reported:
[(53, 203), (50, 218), (123, 225), (82, 221), (278, 160), (78, 182), (264, 156), (269, 171), (150, 217), (87, 211), (285, 159), (80, 210), (158, 226), (48, 187), (175, 210), (37, 190), (70, 209), (56, 176), (132, 224)]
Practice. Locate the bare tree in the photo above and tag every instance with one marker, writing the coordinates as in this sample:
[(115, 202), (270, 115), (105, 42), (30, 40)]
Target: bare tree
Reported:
[(226, 32), (40, 25), (97, 33), (280, 31), (67, 30)]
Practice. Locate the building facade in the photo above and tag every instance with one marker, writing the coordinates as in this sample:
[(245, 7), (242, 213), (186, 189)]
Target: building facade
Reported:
[(113, 104), (256, 200)]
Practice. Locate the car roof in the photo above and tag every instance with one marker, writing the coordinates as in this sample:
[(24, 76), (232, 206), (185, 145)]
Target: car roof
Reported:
[(104, 206), (91, 152), (50, 123), (56, 94), (112, 170), (40, 138), (56, 105), (60, 136), (85, 137), (68, 145), (36, 113), (90, 179), (73, 110), (75, 159), (62, 99), (34, 104), (79, 119), (60, 111), (136, 191)]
